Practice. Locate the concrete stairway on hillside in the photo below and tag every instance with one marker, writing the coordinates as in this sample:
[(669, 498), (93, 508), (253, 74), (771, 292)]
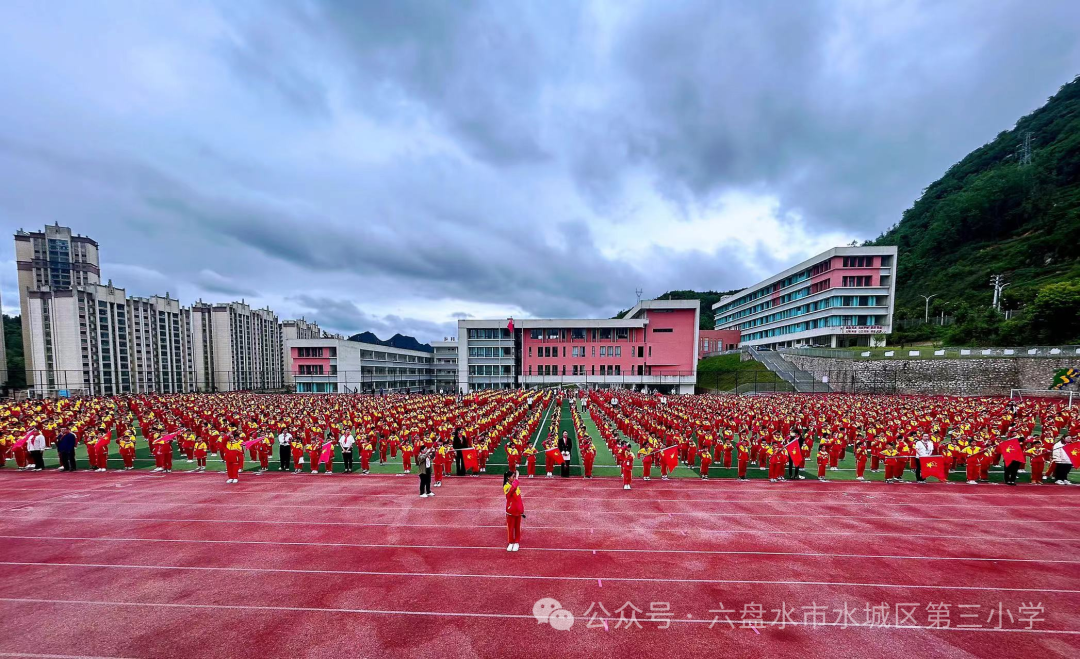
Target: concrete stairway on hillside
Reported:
[(802, 381)]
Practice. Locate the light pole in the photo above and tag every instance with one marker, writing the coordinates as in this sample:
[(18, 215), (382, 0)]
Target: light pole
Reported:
[(926, 315)]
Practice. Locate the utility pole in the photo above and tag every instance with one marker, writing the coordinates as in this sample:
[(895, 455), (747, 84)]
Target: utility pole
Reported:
[(926, 315), (999, 284), (638, 292)]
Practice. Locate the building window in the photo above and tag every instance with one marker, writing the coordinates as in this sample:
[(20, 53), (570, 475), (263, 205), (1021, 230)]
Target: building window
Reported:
[(603, 351), (663, 330), (618, 351)]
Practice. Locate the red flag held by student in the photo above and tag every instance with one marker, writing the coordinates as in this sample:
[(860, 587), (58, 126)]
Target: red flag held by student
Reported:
[(933, 465), (794, 451), (1011, 451), (22, 442), (327, 452), (510, 324), (1073, 451), (670, 456), (251, 442), (554, 455), (169, 437), (468, 457)]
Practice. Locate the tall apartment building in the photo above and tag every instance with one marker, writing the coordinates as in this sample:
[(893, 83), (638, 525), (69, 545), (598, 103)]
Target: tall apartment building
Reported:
[(446, 365), (840, 298), (79, 340), (160, 345), (236, 347), (50, 260)]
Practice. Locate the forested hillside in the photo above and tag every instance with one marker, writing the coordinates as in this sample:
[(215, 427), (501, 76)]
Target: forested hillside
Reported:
[(1010, 207)]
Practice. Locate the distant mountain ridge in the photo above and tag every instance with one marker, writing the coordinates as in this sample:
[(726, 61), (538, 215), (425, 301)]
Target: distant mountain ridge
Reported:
[(396, 341)]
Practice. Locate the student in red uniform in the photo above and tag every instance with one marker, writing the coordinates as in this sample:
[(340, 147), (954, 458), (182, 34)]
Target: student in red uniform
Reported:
[(646, 463), (744, 457), (367, 449), (515, 509), (706, 462), (198, 449), (588, 455), (860, 460), (127, 451), (530, 461), (234, 458), (822, 461), (297, 446), (627, 466)]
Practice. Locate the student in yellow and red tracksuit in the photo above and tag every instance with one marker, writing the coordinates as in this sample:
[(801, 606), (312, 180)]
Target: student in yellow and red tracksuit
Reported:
[(127, 451), (891, 457), (234, 458), (627, 467), (515, 509), (263, 450), (530, 461), (1036, 455), (297, 447), (727, 454), (588, 455), (691, 454), (646, 462), (199, 449), (163, 455), (706, 462), (406, 456), (973, 455), (367, 449), (314, 449), (860, 460), (744, 457), (822, 461)]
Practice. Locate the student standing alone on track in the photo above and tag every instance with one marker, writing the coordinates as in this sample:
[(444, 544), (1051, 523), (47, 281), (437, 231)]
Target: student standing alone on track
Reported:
[(515, 509)]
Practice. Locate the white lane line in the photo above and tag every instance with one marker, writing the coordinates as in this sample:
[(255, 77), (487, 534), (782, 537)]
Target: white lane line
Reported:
[(533, 527), (588, 513), (719, 552), (506, 616), (459, 575)]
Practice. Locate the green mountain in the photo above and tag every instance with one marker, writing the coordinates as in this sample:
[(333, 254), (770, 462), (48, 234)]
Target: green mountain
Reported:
[(1011, 207), (707, 298)]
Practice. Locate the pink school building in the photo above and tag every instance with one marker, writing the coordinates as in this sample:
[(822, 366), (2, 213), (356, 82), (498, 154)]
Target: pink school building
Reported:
[(654, 346), (840, 298)]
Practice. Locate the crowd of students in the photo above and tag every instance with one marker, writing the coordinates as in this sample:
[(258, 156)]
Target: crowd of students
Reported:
[(713, 434), (784, 432)]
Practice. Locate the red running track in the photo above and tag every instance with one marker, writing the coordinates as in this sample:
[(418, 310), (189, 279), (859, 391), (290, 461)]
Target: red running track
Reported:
[(140, 565)]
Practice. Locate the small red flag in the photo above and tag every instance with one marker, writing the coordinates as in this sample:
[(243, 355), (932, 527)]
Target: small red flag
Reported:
[(1011, 451), (168, 438), (252, 442), (554, 455), (670, 456), (1073, 451), (795, 452), (468, 456), (933, 465), (510, 324)]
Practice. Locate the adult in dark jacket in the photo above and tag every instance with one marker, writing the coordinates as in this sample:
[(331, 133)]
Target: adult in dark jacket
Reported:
[(459, 443), (565, 446), (65, 447)]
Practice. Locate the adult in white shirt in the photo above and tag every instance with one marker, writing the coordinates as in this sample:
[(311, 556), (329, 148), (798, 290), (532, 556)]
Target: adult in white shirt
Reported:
[(284, 442), (1062, 463), (346, 442), (924, 448), (35, 446)]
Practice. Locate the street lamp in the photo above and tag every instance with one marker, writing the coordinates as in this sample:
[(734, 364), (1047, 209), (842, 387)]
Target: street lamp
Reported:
[(926, 315)]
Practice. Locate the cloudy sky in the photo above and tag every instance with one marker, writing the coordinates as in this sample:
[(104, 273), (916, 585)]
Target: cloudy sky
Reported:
[(394, 166)]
